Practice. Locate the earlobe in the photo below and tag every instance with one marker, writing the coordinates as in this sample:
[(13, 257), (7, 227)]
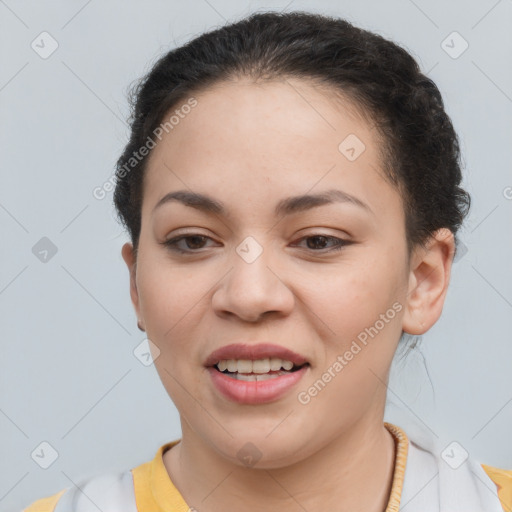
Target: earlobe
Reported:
[(129, 257), (428, 282)]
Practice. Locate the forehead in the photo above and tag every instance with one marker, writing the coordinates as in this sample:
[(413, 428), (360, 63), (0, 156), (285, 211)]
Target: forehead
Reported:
[(261, 138), (291, 110)]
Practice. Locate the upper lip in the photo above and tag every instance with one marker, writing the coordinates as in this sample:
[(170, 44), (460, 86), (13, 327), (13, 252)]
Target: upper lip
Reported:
[(252, 352)]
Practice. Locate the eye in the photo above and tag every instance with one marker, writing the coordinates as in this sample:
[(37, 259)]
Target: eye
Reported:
[(319, 243), (193, 242)]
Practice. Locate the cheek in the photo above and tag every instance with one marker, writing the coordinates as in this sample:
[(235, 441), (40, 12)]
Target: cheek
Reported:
[(170, 296), (362, 311), (172, 299), (350, 298)]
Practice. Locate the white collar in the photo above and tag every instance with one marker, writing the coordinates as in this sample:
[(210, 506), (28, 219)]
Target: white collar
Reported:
[(431, 484)]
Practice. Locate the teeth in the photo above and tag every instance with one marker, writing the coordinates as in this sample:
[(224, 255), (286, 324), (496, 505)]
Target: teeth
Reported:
[(253, 377), (259, 366), (244, 366), (275, 364), (287, 365)]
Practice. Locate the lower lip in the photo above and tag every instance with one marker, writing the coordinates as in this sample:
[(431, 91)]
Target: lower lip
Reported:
[(257, 392)]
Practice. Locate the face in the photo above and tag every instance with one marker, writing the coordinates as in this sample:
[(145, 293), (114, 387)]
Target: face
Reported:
[(324, 278)]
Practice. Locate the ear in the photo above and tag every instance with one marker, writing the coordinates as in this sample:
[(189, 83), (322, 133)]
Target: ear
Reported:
[(429, 277), (130, 258)]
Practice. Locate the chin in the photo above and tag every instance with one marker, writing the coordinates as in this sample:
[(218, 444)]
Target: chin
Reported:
[(260, 451)]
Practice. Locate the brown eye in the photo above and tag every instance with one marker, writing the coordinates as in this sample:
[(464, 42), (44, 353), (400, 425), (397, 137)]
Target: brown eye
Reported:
[(319, 243), (192, 243)]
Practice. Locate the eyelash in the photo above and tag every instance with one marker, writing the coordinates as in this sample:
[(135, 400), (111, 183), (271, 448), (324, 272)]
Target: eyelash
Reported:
[(171, 244)]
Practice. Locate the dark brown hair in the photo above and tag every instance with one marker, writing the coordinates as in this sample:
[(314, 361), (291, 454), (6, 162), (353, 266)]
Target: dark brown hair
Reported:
[(420, 146)]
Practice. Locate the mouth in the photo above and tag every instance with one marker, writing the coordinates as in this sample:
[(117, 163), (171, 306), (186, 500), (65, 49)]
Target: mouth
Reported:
[(255, 374)]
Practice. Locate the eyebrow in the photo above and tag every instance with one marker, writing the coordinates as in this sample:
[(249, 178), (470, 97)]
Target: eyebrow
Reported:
[(287, 206)]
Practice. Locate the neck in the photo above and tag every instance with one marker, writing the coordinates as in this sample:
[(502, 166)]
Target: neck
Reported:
[(352, 472)]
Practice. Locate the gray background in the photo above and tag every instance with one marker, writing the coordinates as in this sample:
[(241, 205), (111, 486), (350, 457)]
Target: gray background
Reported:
[(68, 373)]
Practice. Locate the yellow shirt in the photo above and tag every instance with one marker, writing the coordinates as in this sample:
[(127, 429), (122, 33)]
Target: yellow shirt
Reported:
[(154, 491)]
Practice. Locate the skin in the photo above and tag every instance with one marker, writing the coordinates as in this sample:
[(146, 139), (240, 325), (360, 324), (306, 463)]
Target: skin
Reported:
[(249, 146)]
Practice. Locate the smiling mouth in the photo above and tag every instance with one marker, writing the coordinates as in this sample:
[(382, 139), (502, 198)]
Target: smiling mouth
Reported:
[(257, 370)]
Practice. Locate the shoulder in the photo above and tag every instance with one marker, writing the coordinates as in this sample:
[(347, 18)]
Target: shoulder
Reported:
[(503, 480), (109, 492)]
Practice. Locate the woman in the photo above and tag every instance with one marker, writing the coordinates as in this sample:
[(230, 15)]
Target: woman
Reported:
[(292, 192)]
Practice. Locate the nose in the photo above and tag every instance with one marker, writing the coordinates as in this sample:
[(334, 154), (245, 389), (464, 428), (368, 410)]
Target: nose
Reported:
[(252, 289)]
